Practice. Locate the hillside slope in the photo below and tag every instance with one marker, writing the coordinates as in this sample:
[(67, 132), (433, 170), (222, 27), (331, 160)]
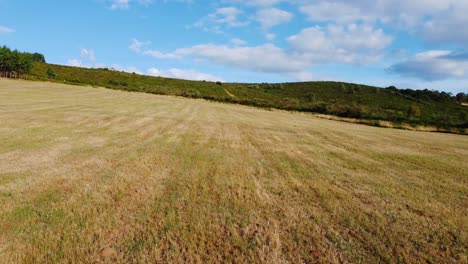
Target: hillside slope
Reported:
[(335, 98), (163, 179)]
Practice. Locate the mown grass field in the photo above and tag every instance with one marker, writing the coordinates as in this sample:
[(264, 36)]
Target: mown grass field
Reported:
[(167, 179)]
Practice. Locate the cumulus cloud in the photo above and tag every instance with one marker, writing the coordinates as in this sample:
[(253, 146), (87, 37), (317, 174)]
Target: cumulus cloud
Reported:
[(448, 26), (120, 4), (184, 74), (434, 65), (129, 69), (88, 55), (270, 36), (264, 58), (383, 10), (4, 30), (125, 4), (225, 16), (137, 45), (271, 17), (238, 42), (87, 60), (116, 67), (159, 55), (335, 12), (348, 33), (74, 63), (262, 3), (435, 20), (350, 44), (357, 44), (228, 15), (302, 76)]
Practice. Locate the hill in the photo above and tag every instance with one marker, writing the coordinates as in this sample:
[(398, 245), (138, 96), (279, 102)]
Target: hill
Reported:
[(88, 173), (428, 108)]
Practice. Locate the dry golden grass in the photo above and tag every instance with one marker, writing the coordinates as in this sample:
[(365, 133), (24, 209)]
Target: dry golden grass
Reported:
[(86, 171), (388, 124)]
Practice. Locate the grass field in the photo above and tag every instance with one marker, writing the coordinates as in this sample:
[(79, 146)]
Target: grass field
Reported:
[(168, 179)]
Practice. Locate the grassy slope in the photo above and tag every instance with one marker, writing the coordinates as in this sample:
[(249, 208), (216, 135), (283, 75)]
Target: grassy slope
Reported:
[(168, 179), (342, 99)]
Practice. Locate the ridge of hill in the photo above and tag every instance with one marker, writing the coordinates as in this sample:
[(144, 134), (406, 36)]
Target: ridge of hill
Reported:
[(413, 107)]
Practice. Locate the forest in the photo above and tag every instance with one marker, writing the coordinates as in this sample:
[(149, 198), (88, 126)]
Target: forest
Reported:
[(16, 64)]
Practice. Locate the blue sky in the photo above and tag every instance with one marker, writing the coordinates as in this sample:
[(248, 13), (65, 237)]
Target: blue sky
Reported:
[(411, 44)]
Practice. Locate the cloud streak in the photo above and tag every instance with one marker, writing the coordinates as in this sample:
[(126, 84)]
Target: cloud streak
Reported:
[(137, 45), (184, 74), (125, 4), (433, 65), (5, 30)]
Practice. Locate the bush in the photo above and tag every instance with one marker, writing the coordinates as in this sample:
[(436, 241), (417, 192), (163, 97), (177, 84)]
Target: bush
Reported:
[(50, 74), (289, 103), (348, 111), (117, 83), (192, 93), (414, 112), (311, 98)]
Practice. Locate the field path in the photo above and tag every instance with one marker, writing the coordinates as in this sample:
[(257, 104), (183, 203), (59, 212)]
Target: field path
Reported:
[(229, 93), (163, 179)]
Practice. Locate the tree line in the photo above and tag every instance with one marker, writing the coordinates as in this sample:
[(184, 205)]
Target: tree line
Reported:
[(16, 64)]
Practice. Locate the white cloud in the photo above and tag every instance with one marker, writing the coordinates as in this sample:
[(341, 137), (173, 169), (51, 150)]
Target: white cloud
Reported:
[(159, 55), (449, 26), (133, 69), (335, 40), (228, 15), (349, 35), (184, 74), (74, 63), (263, 3), (435, 20), (434, 65), (264, 58), (117, 67), (238, 42), (355, 44), (88, 55), (130, 69), (87, 60), (125, 4), (221, 17), (449, 85), (302, 76), (271, 17), (137, 45), (4, 30), (335, 12), (120, 4), (384, 10), (270, 36)]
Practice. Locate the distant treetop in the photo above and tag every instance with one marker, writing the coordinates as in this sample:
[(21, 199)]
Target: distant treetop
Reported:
[(38, 57)]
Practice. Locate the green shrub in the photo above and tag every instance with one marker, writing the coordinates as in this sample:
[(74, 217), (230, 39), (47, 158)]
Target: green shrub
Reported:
[(50, 73), (414, 112)]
